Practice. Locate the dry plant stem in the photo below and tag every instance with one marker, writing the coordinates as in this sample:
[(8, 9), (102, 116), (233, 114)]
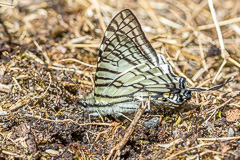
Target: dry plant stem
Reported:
[(174, 142), (203, 153), (221, 23), (26, 100), (234, 62), (181, 152), (43, 52), (220, 38), (225, 53), (215, 109), (151, 13), (189, 26), (100, 18), (5, 88), (74, 60), (202, 54), (70, 45), (70, 120), (8, 138), (11, 153), (204, 83), (130, 130), (34, 57), (70, 69), (20, 103), (6, 5), (50, 82), (19, 87), (6, 31), (216, 139), (198, 9), (185, 53), (176, 68), (229, 100), (210, 4), (219, 70)]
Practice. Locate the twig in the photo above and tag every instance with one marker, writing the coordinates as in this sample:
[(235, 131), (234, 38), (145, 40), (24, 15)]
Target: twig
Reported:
[(174, 142), (202, 54), (221, 23), (202, 153), (5, 88), (70, 120), (70, 70), (234, 62), (12, 154), (6, 30), (181, 152), (216, 139), (130, 130), (75, 60), (198, 9), (220, 38), (2, 4), (24, 100), (41, 96), (34, 57), (150, 11), (8, 138), (43, 52), (219, 70), (215, 109), (100, 18), (19, 87), (229, 100), (189, 26), (82, 45)]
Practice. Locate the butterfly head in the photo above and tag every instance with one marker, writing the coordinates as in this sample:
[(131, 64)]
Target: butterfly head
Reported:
[(187, 93), (180, 98), (85, 102)]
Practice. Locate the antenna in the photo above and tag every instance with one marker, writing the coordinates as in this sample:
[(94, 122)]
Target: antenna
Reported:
[(71, 79)]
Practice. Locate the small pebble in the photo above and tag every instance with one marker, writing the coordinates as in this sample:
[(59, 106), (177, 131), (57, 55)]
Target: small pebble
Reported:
[(230, 132), (152, 122), (52, 152), (3, 113)]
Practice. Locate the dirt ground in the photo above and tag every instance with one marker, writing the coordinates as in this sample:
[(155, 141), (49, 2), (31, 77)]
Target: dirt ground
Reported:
[(39, 114)]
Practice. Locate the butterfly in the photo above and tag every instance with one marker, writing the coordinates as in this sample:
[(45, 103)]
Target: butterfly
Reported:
[(129, 70)]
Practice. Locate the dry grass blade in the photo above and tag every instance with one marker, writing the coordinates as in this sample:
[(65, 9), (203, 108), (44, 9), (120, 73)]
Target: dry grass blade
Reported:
[(216, 139), (181, 152), (80, 62), (221, 23)]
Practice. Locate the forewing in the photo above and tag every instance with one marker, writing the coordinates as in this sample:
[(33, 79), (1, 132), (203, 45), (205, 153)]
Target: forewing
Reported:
[(124, 48)]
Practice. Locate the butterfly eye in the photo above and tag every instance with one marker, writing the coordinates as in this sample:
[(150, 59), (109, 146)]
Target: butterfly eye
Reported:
[(180, 99), (188, 95), (83, 104)]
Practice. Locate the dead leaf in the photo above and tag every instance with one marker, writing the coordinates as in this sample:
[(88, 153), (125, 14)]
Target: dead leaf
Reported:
[(232, 115)]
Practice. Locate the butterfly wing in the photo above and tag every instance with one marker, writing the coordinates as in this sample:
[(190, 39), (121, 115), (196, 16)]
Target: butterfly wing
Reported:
[(128, 68), (128, 65)]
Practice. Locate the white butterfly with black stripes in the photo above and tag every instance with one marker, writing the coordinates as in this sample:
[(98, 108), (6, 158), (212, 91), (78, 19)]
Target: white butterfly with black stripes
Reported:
[(129, 69)]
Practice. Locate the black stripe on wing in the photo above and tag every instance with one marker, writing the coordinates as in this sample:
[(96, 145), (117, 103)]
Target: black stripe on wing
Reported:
[(126, 23)]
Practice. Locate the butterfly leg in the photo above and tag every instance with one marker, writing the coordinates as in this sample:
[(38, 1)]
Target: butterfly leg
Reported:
[(121, 114), (95, 114)]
